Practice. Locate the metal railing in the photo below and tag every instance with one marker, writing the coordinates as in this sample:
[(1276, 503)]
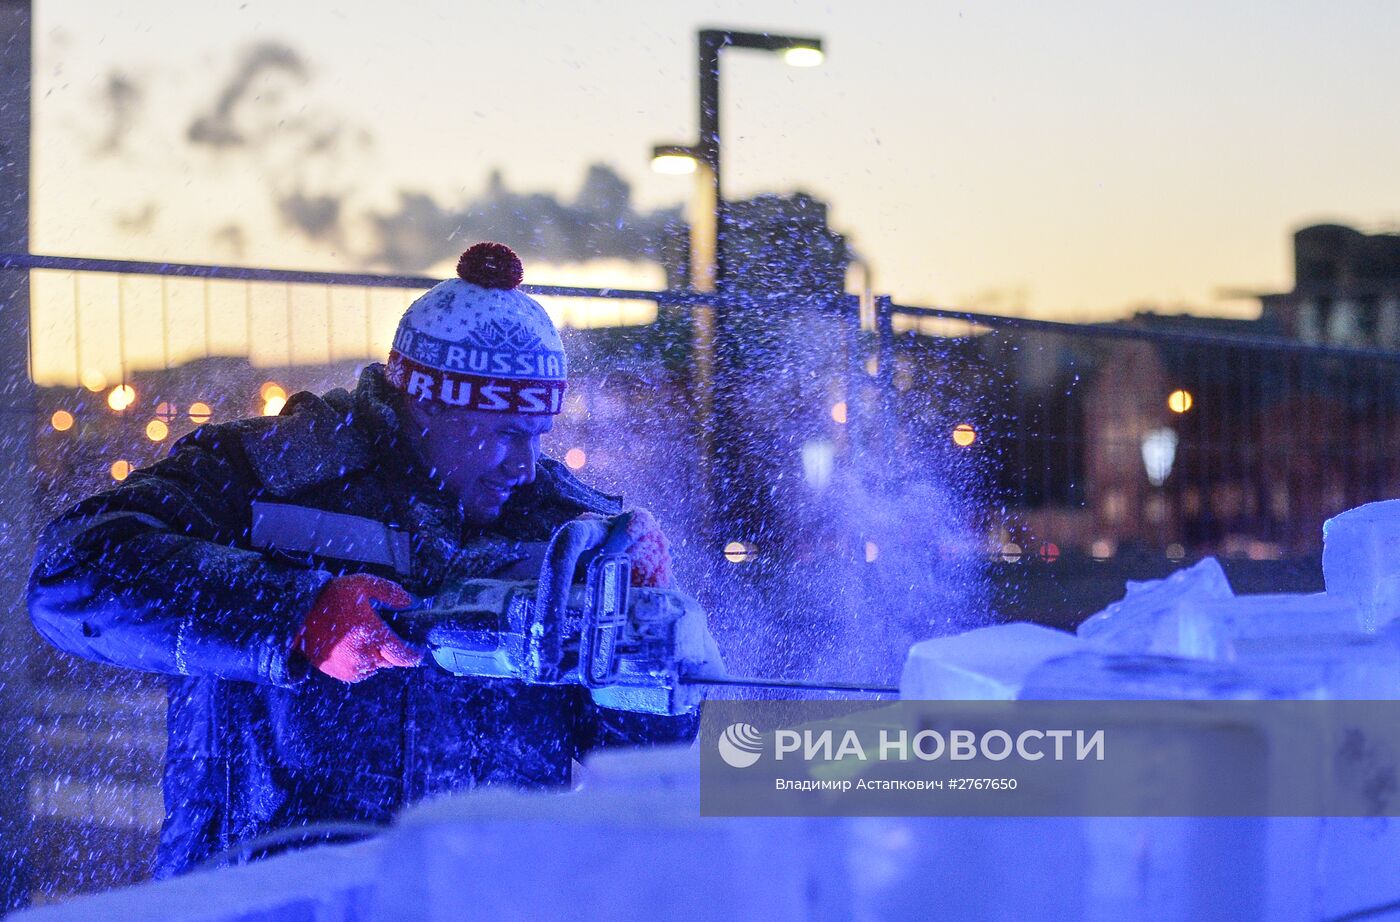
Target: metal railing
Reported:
[(1091, 437), (1154, 435)]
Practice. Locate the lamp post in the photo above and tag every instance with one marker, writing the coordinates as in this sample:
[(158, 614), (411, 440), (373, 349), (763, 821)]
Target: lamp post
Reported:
[(16, 462), (707, 218), (703, 157)]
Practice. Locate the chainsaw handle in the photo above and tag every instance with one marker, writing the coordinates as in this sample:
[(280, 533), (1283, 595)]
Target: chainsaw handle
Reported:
[(549, 613)]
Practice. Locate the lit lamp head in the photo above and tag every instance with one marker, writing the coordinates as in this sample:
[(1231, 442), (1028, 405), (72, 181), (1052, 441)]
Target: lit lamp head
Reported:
[(673, 159), (804, 56)]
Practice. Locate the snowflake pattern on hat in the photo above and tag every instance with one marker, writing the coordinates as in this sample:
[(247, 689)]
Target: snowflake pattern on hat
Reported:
[(506, 334)]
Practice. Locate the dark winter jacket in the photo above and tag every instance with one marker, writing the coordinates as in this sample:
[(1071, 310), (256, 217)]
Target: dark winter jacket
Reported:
[(160, 574)]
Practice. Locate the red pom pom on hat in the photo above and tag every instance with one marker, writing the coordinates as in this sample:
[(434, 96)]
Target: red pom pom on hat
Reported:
[(491, 265)]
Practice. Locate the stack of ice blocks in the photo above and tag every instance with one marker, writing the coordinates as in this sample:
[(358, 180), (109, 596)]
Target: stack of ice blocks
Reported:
[(1189, 636)]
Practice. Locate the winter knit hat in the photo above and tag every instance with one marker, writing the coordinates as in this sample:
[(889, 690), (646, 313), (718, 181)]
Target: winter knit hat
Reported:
[(478, 342)]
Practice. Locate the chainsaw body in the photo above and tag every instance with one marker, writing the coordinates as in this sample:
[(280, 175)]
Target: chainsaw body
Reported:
[(596, 631)]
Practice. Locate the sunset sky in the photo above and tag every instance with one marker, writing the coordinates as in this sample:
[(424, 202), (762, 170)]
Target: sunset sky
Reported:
[(1065, 160)]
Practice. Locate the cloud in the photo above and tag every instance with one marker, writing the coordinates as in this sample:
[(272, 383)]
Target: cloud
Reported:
[(600, 222), (309, 158), (121, 100), (139, 221), (223, 125), (231, 239), (316, 216)]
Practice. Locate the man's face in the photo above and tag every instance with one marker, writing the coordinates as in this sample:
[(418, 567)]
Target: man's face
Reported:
[(481, 456)]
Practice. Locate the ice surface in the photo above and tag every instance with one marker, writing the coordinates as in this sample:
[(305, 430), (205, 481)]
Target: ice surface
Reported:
[(989, 663), (630, 845), (1093, 870), (1144, 620), (329, 882), (1137, 676), (1358, 869), (1361, 559), (1360, 667), (1221, 629)]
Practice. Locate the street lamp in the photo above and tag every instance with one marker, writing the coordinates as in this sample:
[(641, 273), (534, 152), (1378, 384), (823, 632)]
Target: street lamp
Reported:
[(703, 158), (720, 444)]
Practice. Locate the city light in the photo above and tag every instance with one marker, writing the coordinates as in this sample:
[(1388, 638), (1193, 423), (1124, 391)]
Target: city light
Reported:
[(1049, 552), (575, 458), (964, 435), (1179, 401), (1010, 552), (121, 397), (156, 430), (200, 412), (1175, 551), (838, 412), (739, 552), (804, 57), (61, 420), (274, 397), (94, 380), (872, 550), (167, 411), (1102, 549), (1158, 453), (818, 462), (120, 470)]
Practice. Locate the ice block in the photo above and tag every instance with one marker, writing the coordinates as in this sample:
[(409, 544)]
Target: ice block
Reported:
[(1361, 559), (1226, 629), (1144, 620), (989, 663)]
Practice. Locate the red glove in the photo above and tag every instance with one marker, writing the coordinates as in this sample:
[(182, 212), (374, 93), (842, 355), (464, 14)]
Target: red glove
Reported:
[(650, 552), (344, 637)]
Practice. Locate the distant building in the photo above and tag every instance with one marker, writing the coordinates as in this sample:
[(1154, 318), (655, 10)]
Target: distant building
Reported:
[(1273, 442), (1346, 290)]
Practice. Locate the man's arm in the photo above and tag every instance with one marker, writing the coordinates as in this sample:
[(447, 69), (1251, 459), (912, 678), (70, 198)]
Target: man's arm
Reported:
[(145, 575)]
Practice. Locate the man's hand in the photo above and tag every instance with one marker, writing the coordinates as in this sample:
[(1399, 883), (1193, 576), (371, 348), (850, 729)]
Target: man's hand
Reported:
[(344, 637)]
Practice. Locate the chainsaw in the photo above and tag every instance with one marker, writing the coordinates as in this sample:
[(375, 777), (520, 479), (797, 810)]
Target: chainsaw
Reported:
[(581, 623)]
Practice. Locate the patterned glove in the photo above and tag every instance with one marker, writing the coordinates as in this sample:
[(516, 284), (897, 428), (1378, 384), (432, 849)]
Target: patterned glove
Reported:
[(648, 549), (344, 637), (650, 552)]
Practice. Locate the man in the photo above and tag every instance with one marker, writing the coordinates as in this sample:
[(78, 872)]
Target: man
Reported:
[(254, 563)]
